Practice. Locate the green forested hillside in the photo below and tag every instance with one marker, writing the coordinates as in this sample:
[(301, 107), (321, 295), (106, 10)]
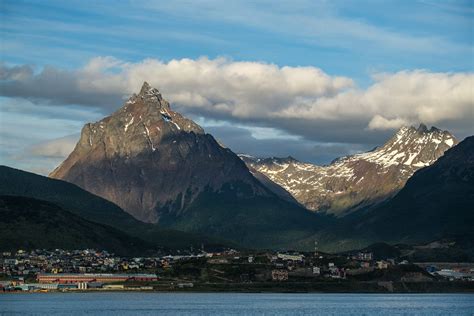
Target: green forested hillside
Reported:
[(27, 223), (93, 208)]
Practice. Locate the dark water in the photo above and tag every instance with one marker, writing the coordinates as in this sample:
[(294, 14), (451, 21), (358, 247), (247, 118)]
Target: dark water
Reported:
[(235, 304)]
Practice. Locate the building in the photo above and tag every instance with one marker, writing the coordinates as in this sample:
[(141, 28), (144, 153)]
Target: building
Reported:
[(382, 264), (364, 256), (94, 285), (279, 275), (82, 285), (365, 265), (45, 286), (114, 286), (218, 261), (65, 278), (452, 274), (284, 256)]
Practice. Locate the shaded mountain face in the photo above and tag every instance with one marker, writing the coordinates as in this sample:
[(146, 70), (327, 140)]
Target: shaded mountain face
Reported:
[(360, 180), (27, 223), (214, 219), (90, 207), (436, 202), (150, 160)]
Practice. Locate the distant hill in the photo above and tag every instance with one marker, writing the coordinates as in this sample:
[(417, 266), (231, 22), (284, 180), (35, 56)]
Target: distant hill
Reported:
[(67, 195), (93, 208), (27, 223)]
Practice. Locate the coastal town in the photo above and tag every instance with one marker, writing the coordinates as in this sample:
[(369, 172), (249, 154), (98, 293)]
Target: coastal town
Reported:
[(225, 270)]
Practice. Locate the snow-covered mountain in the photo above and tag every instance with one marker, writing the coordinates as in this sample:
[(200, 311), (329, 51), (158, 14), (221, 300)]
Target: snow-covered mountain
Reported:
[(359, 180)]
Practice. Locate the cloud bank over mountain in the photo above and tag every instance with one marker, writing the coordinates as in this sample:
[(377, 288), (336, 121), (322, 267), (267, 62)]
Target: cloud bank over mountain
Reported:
[(306, 104), (261, 94)]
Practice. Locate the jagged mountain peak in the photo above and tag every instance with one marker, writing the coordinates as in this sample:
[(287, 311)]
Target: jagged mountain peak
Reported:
[(141, 124), (422, 129), (149, 99), (146, 88), (151, 160), (423, 145), (360, 179)]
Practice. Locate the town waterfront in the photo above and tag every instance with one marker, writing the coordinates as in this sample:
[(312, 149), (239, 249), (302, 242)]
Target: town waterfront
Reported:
[(126, 303)]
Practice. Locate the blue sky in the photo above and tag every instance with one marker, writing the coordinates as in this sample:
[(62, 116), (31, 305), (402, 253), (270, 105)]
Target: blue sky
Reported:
[(355, 40), (351, 38)]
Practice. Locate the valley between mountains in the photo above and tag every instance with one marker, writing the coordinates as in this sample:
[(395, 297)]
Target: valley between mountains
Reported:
[(146, 175)]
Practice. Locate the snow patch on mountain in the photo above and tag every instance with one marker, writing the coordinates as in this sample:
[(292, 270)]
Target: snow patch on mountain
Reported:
[(356, 179)]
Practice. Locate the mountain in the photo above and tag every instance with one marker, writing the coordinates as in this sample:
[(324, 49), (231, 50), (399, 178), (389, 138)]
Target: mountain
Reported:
[(162, 168), (360, 180), (27, 223), (93, 208), (150, 160), (437, 202), (435, 205)]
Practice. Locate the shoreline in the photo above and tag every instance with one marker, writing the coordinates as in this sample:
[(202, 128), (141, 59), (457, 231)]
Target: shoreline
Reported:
[(294, 288), (230, 292)]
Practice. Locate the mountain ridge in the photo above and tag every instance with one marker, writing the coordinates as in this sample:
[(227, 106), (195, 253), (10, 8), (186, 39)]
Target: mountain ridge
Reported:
[(358, 180), (435, 204)]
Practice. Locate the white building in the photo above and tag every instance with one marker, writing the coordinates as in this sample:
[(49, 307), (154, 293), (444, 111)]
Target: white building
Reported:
[(284, 256)]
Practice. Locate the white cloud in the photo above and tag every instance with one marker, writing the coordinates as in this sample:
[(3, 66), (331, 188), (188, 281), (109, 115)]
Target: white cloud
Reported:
[(406, 97), (56, 148), (380, 122), (303, 101)]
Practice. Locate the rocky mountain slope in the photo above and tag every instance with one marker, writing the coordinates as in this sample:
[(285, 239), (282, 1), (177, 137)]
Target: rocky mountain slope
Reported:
[(150, 160), (163, 169), (356, 181), (437, 202)]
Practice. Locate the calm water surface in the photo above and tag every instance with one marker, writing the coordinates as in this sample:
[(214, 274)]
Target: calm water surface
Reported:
[(235, 304)]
